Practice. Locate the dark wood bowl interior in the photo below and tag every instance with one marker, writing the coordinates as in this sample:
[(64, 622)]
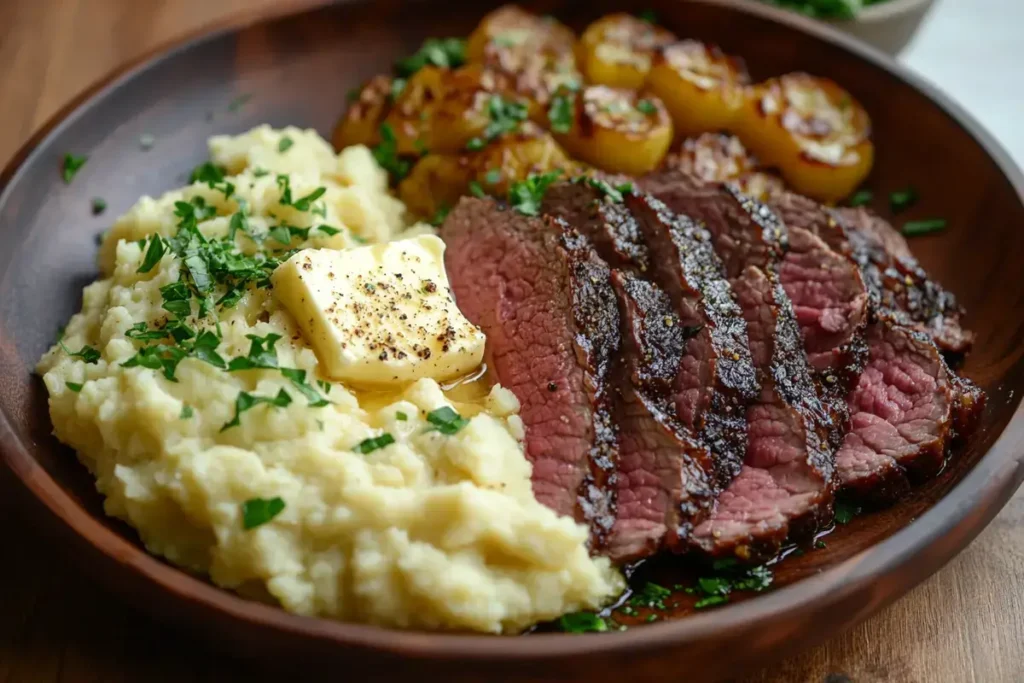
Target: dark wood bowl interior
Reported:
[(297, 71)]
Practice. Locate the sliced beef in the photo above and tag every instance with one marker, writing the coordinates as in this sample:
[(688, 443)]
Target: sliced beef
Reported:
[(785, 486), (543, 299), (893, 276), (665, 478), (609, 225), (824, 284), (716, 379), (904, 411), (900, 283)]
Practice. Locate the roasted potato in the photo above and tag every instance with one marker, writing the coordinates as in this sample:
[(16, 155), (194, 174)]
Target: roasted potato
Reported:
[(534, 53), (619, 131), (367, 108), (701, 86), (616, 50), (712, 156), (812, 130), (759, 185), (437, 181)]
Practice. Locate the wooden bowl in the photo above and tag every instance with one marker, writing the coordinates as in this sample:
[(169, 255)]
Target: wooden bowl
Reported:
[(297, 70)]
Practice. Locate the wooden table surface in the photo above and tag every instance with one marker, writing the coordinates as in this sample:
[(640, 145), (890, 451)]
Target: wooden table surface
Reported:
[(966, 623)]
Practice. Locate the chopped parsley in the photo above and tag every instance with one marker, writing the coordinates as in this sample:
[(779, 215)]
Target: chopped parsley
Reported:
[(298, 379), (99, 205), (446, 420), (441, 214), (327, 230), (506, 116), (386, 153), (902, 200), (615, 194), (370, 445), (651, 595), (447, 53), (401, 417), (730, 576), (261, 354), (845, 512), (562, 111), (861, 197), (820, 544), (646, 107), (493, 176), (916, 228), (186, 412), (208, 173), (246, 401), (476, 189), (304, 203), (397, 86), (258, 511), (74, 386), (154, 253), (285, 144), (583, 622), (324, 386), (239, 102), (525, 196), (86, 353), (73, 163), (140, 332)]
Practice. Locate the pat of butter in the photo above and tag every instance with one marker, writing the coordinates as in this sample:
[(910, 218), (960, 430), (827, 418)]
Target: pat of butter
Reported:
[(381, 314)]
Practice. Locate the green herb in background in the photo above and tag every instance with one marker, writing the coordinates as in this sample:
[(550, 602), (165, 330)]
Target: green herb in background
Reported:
[(562, 111), (74, 386), (916, 228), (258, 511), (525, 196), (71, 166), (844, 512), (826, 9), (239, 102), (861, 197), (583, 622), (902, 199), (372, 444), (729, 576), (646, 107), (505, 116), (447, 53), (649, 16), (99, 205), (386, 153)]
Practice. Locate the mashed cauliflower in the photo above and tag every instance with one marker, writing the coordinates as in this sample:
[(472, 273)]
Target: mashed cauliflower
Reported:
[(281, 499)]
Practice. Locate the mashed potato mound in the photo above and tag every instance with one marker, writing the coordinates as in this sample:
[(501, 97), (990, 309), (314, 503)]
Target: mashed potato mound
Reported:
[(432, 531)]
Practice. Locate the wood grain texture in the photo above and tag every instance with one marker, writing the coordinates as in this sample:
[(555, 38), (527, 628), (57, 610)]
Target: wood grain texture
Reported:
[(964, 624)]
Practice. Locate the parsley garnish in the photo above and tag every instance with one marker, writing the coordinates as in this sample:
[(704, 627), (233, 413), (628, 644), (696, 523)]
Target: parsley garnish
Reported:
[(327, 230), (446, 420), (298, 378), (646, 107), (324, 386), (74, 386), (845, 512), (915, 228), (140, 332), (505, 117), (493, 177), (861, 197), (447, 53), (582, 622), (715, 590), (186, 412), (651, 595), (86, 353), (441, 214), (397, 86), (386, 153), (99, 205), (285, 144), (525, 196), (72, 165), (238, 102), (207, 173), (400, 416), (615, 194), (902, 199), (261, 354), (153, 254), (562, 111), (259, 511), (476, 189), (245, 401), (303, 203), (370, 445), (820, 544)]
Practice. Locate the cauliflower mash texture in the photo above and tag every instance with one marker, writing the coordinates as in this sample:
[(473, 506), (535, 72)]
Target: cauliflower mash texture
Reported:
[(434, 530)]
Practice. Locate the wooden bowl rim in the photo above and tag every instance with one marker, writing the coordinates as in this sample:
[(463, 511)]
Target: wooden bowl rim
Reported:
[(990, 482)]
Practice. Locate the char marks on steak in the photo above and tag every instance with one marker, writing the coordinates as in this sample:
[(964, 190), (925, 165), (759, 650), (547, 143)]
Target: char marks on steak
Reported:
[(786, 483), (894, 278), (716, 378), (543, 299), (665, 477), (609, 226)]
